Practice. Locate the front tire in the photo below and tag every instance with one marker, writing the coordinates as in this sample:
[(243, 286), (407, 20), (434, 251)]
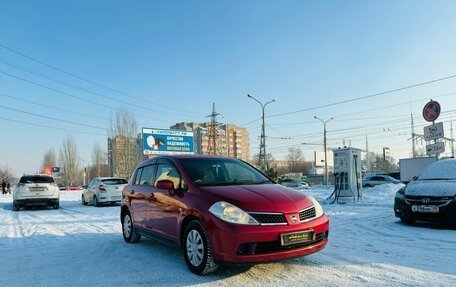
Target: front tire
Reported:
[(128, 231), (197, 249)]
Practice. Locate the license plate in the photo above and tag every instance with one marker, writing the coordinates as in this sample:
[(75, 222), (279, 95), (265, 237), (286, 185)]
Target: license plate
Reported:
[(296, 237), (115, 197), (37, 189), (425, 208)]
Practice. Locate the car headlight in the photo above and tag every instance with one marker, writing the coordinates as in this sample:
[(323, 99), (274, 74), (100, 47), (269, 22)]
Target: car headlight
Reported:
[(231, 213), (400, 193), (318, 209)]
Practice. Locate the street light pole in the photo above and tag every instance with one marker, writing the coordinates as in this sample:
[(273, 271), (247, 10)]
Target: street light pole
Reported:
[(262, 156), (325, 179)]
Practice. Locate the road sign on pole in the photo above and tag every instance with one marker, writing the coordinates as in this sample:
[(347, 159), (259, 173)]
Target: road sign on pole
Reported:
[(434, 132), (386, 154), (434, 149), (431, 111)]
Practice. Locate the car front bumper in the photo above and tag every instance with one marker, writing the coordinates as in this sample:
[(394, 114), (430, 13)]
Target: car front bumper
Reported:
[(446, 214), (240, 244)]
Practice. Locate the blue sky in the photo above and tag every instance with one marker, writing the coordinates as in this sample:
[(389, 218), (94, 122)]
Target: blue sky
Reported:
[(172, 59)]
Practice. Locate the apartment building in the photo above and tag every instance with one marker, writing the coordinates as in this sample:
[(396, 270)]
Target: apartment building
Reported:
[(232, 141)]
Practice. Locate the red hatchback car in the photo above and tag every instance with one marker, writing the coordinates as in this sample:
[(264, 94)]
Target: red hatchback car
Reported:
[(220, 210)]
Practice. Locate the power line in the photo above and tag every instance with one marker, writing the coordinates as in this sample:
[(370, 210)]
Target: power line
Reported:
[(51, 118), (50, 127), (51, 107), (367, 97), (70, 95), (90, 81), (25, 69)]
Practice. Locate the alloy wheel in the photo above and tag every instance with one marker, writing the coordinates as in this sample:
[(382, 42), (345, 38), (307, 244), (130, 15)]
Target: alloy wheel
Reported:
[(195, 248), (127, 226)]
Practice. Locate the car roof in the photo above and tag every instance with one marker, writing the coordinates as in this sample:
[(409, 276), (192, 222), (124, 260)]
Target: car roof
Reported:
[(37, 175)]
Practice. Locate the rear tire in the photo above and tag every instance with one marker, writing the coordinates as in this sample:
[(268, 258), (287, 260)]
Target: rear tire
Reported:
[(128, 231), (16, 207), (83, 201), (197, 249), (95, 201), (56, 206)]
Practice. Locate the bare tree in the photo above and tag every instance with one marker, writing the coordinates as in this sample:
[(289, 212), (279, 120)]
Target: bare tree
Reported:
[(124, 143), (295, 160), (50, 158), (69, 159), (5, 172), (99, 159)]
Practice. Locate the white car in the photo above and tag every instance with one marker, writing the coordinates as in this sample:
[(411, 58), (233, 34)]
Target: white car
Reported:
[(36, 190), (103, 190)]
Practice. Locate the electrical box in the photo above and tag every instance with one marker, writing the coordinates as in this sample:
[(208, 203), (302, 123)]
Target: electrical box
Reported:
[(347, 173)]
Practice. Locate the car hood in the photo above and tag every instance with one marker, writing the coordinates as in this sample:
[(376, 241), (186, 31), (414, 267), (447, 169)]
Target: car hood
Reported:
[(260, 197), (431, 188)]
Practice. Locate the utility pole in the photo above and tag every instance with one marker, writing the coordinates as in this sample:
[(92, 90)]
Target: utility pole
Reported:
[(324, 144), (213, 133), (452, 139), (413, 137), (367, 155), (262, 157)]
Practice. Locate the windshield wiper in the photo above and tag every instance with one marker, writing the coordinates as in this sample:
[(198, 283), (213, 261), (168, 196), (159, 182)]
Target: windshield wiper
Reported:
[(263, 181)]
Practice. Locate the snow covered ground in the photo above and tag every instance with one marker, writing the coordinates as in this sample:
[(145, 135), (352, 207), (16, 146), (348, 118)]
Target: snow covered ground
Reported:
[(83, 246)]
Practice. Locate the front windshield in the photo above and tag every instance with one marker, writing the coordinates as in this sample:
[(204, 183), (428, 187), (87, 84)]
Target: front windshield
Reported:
[(440, 170), (221, 171)]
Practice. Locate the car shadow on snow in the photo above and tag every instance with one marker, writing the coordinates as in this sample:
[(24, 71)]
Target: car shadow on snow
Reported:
[(428, 225)]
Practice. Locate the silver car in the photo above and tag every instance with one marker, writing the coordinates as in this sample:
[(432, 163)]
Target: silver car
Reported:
[(378, 179), (36, 190), (103, 190)]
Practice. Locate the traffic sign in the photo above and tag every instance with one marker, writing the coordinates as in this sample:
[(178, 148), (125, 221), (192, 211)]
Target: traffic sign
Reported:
[(433, 132), (433, 149), (431, 111), (386, 154)]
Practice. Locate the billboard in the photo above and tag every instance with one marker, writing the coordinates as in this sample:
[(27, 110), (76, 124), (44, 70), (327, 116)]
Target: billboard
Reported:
[(48, 170), (161, 141), (320, 158)]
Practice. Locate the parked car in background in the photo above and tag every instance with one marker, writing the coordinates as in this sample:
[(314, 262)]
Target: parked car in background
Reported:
[(36, 190), (431, 196), (61, 186), (374, 180), (304, 184), (75, 187), (103, 190), (291, 182), (220, 210)]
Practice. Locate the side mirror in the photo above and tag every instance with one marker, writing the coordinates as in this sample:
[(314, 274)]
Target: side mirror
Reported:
[(166, 184)]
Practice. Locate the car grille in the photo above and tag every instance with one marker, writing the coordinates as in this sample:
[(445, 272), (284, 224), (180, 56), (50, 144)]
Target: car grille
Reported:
[(427, 200), (307, 214), (274, 246), (269, 218)]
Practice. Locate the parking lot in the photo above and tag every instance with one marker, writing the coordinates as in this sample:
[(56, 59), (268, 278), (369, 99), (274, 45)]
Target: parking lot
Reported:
[(83, 246)]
